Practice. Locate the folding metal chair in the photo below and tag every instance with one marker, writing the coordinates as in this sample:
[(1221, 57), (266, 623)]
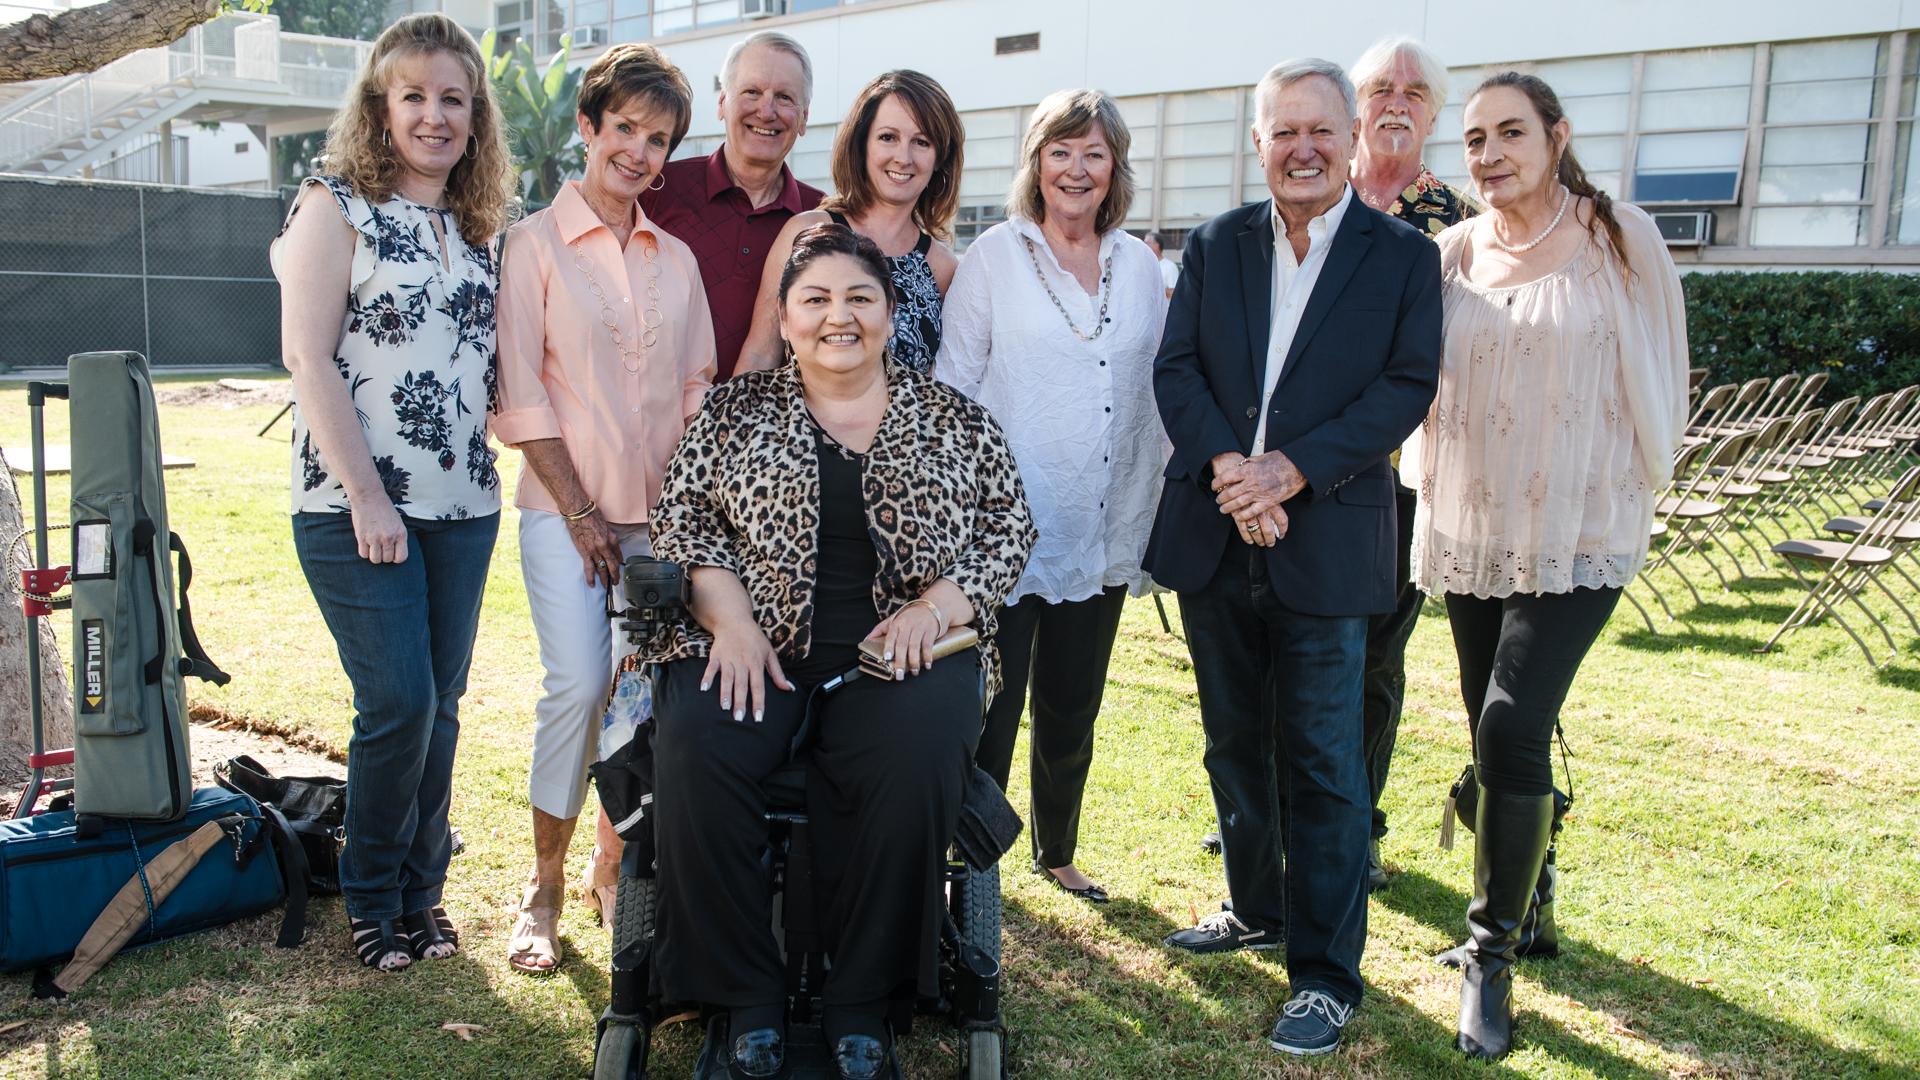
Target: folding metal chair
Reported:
[(1683, 460), (1698, 500), (1706, 412), (1849, 566)]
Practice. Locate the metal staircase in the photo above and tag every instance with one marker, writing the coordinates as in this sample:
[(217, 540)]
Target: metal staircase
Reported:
[(239, 67)]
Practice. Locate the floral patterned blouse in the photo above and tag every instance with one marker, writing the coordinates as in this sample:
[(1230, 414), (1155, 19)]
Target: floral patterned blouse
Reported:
[(1430, 204), (417, 354)]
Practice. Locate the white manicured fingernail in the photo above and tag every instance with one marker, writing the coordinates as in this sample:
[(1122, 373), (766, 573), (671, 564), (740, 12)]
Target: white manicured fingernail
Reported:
[(888, 655), (759, 715), (739, 715), (706, 686), (899, 674)]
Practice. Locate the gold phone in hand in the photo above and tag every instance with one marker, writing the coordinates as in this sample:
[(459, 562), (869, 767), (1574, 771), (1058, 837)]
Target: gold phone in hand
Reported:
[(873, 662)]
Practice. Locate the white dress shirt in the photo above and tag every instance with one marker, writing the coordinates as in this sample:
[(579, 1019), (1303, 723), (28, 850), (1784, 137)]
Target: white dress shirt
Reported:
[(1079, 414), (1293, 282)]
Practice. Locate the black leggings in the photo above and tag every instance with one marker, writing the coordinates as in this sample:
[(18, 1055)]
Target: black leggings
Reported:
[(1518, 656)]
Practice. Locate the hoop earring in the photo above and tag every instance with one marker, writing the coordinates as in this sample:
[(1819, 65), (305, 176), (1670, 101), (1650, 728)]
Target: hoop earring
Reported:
[(659, 181), (473, 145), (386, 138)]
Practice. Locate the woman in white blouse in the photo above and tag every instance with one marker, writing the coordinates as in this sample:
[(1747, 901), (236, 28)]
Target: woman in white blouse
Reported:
[(1562, 397), (1052, 323)]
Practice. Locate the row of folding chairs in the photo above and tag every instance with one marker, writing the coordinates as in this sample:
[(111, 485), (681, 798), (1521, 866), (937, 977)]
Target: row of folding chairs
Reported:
[(1763, 458)]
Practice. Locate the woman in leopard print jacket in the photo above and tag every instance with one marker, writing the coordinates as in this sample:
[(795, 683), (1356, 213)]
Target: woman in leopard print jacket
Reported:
[(836, 498)]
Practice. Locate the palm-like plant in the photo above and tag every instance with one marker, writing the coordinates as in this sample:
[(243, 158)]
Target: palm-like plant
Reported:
[(538, 109)]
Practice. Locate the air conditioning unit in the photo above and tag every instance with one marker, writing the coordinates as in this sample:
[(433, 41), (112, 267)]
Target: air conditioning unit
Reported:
[(583, 37), (1693, 228), (762, 9)]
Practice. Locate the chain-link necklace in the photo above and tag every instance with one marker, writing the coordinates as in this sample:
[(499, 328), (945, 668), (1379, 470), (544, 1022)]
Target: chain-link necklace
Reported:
[(650, 320), (1106, 292)]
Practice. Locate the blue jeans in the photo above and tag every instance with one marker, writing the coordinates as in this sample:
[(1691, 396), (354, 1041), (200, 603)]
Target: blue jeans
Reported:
[(405, 634), (1280, 702)]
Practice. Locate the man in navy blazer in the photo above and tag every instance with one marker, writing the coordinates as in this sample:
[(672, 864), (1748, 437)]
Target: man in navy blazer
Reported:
[(1302, 346)]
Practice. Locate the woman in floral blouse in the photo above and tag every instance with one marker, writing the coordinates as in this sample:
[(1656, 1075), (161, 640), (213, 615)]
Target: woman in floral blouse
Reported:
[(387, 277), (835, 499)]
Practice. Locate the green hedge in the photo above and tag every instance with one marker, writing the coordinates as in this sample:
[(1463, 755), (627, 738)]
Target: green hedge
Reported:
[(1862, 329)]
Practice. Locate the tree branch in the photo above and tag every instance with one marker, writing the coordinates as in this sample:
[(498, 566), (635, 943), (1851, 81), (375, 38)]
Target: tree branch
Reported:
[(89, 38)]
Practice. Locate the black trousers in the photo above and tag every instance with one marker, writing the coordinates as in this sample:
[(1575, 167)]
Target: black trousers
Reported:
[(1280, 702), (1385, 689), (1061, 651), (1518, 657), (886, 775)]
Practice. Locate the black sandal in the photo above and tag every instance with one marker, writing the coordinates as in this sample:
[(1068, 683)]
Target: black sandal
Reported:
[(380, 944), (431, 934)]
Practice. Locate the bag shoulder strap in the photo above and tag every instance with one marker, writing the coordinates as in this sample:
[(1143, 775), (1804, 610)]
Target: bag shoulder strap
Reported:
[(193, 656), (293, 867)]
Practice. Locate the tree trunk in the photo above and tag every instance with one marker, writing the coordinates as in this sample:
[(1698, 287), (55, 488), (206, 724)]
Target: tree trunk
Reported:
[(89, 38), (16, 721)]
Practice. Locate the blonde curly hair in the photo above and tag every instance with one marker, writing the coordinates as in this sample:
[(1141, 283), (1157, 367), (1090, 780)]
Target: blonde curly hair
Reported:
[(482, 187)]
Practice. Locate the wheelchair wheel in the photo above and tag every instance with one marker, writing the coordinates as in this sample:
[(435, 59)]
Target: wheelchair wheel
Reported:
[(621, 1054), (985, 1060), (979, 914), (635, 903)]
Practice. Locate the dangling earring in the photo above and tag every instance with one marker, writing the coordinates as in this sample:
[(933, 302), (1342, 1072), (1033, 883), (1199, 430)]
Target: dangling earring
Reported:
[(659, 181), (886, 356), (787, 347), (386, 138), (473, 145)]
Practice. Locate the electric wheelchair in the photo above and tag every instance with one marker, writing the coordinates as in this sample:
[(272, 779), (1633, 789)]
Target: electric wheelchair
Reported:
[(970, 937)]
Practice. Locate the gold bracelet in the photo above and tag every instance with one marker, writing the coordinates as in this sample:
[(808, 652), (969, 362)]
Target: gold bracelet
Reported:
[(931, 606), (583, 511)]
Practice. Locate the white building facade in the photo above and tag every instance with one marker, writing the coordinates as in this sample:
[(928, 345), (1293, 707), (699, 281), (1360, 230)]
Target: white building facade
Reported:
[(1765, 133)]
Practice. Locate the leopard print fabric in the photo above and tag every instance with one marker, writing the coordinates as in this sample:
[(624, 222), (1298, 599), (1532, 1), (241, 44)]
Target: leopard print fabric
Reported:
[(943, 499)]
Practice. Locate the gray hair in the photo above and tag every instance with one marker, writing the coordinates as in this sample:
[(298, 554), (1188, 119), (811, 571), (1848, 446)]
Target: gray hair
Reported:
[(1374, 64), (772, 39), (1286, 73)]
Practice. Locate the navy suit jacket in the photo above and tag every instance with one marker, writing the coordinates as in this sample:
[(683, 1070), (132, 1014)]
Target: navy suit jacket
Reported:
[(1358, 379)]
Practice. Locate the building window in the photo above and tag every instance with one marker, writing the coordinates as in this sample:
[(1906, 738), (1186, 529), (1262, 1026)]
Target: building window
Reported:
[(992, 155), (1814, 164), (1142, 117), (812, 156), (1199, 136), (1903, 224), (1700, 101)]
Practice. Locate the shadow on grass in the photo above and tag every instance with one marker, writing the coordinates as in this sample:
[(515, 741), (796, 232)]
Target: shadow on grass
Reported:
[(1212, 1019), (1675, 1015)]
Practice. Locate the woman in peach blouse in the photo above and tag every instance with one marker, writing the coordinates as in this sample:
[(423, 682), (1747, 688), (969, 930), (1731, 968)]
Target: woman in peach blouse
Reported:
[(1562, 398), (606, 349)]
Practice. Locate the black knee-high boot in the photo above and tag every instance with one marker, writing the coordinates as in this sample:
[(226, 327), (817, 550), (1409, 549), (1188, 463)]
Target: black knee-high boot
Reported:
[(1539, 935), (1509, 847)]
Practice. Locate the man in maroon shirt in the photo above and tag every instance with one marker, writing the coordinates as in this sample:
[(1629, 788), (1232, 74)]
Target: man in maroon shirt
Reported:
[(730, 206)]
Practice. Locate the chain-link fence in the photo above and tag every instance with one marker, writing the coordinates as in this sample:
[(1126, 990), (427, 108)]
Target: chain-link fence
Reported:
[(179, 275)]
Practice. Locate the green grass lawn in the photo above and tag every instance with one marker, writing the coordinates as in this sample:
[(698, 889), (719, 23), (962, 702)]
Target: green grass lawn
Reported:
[(1739, 891)]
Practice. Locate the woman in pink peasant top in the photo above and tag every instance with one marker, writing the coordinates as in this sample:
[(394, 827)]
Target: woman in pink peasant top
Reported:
[(1562, 398)]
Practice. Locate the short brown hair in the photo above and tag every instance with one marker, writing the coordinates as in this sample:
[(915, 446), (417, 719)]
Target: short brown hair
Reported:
[(632, 71), (933, 110), (1070, 114)]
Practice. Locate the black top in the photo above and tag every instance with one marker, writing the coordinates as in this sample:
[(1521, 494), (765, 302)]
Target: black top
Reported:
[(916, 304), (843, 609)]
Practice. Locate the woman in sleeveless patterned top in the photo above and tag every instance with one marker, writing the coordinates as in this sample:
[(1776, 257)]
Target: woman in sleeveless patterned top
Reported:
[(896, 171), (387, 270)]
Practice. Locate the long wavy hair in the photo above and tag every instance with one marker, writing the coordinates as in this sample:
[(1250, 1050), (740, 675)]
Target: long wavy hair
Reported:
[(933, 110), (481, 188), (1546, 103)]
